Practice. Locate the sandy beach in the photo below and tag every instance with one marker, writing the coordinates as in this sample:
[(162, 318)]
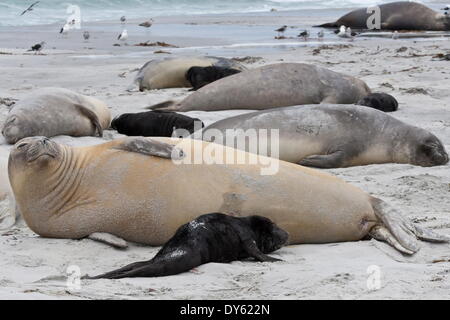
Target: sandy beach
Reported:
[(36, 268)]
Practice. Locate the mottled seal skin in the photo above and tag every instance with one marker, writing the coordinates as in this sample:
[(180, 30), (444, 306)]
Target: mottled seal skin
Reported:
[(335, 136), (402, 15), (380, 101), (276, 85), (154, 123), (201, 76), (213, 237), (51, 112), (133, 189), (171, 72)]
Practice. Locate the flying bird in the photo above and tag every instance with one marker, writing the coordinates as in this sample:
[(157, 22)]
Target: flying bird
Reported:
[(37, 47), (281, 30), (30, 8), (146, 24)]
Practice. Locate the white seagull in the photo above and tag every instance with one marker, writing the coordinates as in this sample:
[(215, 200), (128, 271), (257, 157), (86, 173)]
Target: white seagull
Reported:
[(342, 32), (320, 35), (65, 29), (123, 36), (395, 35)]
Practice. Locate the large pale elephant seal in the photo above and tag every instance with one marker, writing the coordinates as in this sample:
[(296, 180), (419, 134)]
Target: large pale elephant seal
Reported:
[(55, 111), (331, 136), (402, 15), (213, 237), (130, 188), (172, 72), (275, 85)]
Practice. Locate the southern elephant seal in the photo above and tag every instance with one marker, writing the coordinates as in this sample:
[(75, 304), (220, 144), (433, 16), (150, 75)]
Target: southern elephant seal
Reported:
[(171, 72), (275, 85), (154, 123), (201, 76), (55, 111), (402, 15), (212, 237), (145, 196), (331, 136)]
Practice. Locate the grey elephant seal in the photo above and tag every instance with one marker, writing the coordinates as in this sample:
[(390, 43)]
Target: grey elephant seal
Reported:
[(51, 112), (275, 85), (171, 72), (152, 186), (402, 15), (212, 237), (333, 136)]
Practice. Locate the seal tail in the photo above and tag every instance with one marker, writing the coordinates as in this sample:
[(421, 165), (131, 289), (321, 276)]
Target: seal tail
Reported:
[(399, 232), (327, 25), (166, 105), (156, 267)]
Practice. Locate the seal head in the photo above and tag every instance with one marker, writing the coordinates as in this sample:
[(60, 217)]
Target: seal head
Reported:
[(429, 151), (34, 151), (380, 101)]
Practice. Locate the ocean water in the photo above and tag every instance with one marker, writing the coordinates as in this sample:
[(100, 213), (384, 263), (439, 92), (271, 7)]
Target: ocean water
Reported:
[(56, 11)]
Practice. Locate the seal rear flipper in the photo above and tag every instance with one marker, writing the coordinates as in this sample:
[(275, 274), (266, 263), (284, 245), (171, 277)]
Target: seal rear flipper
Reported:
[(110, 239), (429, 235), (332, 160), (253, 251), (91, 116), (151, 147), (382, 234), (166, 105)]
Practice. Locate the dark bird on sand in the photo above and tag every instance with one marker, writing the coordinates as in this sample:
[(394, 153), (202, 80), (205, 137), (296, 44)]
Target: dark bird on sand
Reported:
[(304, 35), (37, 47), (30, 8), (146, 24), (281, 30)]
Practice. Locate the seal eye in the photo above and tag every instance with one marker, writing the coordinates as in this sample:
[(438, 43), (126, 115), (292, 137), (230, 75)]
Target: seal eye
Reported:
[(23, 144)]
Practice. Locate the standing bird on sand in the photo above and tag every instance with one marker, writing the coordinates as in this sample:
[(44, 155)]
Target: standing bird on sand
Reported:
[(123, 36), (86, 36), (30, 8), (320, 35), (123, 19), (341, 32), (349, 34), (304, 35), (65, 29), (37, 47), (281, 30), (146, 24), (395, 35)]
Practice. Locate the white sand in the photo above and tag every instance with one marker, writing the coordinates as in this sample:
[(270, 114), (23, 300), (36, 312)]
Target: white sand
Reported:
[(35, 268)]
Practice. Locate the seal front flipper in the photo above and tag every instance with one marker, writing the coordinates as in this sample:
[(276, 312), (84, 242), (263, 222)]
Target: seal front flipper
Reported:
[(332, 160), (91, 116), (252, 249), (110, 239), (151, 147)]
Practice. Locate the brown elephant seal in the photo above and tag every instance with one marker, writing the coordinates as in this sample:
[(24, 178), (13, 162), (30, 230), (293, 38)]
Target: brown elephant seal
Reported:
[(213, 237), (275, 85), (332, 136), (171, 72), (51, 112), (145, 196), (402, 15)]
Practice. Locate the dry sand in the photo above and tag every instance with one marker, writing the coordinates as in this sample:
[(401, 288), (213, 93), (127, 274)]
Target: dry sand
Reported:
[(35, 268)]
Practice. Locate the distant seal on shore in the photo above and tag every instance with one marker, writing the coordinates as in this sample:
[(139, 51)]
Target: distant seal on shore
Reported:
[(154, 123), (201, 76), (213, 237), (150, 187), (55, 111), (402, 15), (334, 136), (275, 85), (171, 72)]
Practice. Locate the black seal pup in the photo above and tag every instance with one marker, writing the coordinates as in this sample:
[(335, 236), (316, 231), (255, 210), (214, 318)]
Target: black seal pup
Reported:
[(201, 76), (213, 237), (154, 123), (380, 101)]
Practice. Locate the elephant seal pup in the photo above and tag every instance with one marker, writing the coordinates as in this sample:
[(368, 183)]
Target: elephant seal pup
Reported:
[(150, 187), (212, 237), (154, 123), (275, 85), (171, 72), (332, 136), (201, 76), (380, 101), (55, 111), (402, 15)]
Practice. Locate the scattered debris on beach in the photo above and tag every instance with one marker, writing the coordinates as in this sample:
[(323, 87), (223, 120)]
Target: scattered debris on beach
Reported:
[(162, 51), (415, 91), (155, 44), (327, 47), (9, 102), (442, 56), (247, 59)]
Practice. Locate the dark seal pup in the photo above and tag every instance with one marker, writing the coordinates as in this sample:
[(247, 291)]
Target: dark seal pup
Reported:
[(213, 237), (154, 123), (201, 76), (380, 101), (402, 15)]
